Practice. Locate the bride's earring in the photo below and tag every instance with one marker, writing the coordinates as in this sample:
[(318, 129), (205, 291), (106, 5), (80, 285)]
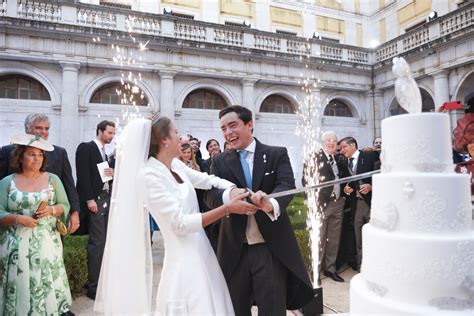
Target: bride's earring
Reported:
[(166, 145)]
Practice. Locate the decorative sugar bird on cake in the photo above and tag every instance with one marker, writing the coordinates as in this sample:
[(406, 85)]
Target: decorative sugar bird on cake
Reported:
[(406, 90)]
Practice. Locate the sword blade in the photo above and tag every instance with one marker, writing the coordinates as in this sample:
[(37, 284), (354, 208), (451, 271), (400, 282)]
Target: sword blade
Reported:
[(324, 184)]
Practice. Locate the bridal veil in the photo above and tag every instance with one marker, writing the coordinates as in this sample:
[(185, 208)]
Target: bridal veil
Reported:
[(125, 283)]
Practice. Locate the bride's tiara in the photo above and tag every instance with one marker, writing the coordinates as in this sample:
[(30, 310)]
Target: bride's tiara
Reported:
[(154, 116)]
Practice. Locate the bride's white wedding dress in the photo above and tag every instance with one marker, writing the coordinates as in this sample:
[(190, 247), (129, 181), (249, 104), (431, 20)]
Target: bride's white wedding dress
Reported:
[(191, 282), (191, 279)]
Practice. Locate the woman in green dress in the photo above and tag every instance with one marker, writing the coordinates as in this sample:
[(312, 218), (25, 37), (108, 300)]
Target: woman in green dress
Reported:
[(33, 279)]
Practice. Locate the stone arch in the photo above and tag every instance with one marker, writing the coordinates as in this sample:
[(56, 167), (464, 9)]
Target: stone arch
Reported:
[(209, 84), (427, 100), (356, 111), (288, 94), (116, 77), (30, 71), (465, 91)]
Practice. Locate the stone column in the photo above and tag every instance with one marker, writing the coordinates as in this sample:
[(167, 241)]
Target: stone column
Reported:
[(370, 115), (248, 94), (69, 136), (379, 110), (441, 88), (167, 106)]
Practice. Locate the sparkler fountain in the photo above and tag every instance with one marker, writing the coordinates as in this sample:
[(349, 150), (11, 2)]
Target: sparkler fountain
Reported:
[(309, 129)]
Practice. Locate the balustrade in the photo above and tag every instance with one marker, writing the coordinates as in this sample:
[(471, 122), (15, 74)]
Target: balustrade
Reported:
[(457, 21), (96, 18), (153, 24), (3, 8), (143, 25), (416, 39), (298, 47), (267, 42), (228, 37), (41, 11), (358, 56), (331, 52), (189, 31)]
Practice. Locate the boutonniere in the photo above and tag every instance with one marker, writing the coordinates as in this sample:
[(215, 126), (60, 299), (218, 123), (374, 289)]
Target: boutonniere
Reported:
[(264, 158)]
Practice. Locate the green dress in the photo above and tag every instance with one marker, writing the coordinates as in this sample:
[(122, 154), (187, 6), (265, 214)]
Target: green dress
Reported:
[(33, 279)]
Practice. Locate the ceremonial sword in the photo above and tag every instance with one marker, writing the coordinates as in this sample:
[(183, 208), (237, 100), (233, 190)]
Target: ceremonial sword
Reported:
[(324, 184)]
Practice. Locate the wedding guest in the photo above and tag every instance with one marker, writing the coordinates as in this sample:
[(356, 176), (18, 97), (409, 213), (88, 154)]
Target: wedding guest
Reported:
[(359, 192), (195, 145), (468, 165), (58, 163), (188, 157), (377, 144), (331, 201), (94, 196), (31, 202), (212, 231), (191, 281), (213, 148)]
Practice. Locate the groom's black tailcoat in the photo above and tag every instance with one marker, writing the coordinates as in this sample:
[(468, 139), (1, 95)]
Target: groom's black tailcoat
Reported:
[(272, 173)]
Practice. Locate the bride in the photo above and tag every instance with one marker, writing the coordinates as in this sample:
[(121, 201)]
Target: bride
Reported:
[(148, 174)]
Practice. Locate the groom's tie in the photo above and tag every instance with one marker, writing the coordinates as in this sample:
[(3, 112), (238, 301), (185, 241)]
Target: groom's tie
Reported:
[(252, 233), (245, 167)]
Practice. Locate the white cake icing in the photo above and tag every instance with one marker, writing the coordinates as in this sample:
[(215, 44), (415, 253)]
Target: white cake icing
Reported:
[(423, 202), (417, 142), (418, 249)]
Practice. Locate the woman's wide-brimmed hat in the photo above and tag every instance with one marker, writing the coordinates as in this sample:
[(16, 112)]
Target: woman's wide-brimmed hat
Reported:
[(31, 140), (464, 132)]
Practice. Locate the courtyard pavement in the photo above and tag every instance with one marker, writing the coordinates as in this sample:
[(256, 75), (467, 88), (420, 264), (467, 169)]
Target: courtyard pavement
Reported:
[(335, 294)]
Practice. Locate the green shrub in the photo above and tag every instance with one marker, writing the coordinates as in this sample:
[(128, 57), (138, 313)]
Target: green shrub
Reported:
[(75, 260), (302, 236), (297, 211)]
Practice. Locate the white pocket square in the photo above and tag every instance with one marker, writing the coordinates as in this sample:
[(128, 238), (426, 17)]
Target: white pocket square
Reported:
[(267, 173)]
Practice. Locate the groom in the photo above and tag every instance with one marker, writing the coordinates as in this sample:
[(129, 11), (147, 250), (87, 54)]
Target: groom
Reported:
[(258, 254)]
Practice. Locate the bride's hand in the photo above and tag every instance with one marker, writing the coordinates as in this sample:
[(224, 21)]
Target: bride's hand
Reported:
[(238, 205)]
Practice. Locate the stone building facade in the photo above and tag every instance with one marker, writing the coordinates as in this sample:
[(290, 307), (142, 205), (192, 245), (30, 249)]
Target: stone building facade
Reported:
[(68, 59)]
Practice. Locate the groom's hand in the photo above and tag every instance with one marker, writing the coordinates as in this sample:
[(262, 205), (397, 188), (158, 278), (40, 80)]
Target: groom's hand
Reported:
[(235, 192), (261, 200)]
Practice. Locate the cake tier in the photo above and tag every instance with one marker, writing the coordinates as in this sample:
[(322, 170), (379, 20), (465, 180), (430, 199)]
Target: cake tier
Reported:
[(416, 142), (416, 202), (424, 269), (365, 299)]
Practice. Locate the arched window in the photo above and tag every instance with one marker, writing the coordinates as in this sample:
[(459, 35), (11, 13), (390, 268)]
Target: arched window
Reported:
[(204, 99), (116, 93), (22, 87), (277, 104), (337, 108), (396, 109), (427, 104)]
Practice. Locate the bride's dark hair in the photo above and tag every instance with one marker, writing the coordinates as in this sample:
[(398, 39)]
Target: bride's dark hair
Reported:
[(160, 129)]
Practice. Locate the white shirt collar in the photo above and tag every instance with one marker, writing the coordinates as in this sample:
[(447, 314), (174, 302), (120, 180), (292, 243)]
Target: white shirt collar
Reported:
[(251, 148), (328, 156), (356, 154), (98, 143)]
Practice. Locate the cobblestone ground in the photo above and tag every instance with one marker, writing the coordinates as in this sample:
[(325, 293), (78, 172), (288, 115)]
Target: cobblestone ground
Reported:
[(335, 294)]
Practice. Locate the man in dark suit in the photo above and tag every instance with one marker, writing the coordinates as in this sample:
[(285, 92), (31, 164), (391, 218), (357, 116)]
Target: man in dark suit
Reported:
[(258, 254), (94, 196), (331, 201), (214, 149), (360, 192), (57, 163)]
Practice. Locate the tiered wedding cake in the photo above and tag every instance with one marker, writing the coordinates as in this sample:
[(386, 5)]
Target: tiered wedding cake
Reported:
[(418, 249)]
